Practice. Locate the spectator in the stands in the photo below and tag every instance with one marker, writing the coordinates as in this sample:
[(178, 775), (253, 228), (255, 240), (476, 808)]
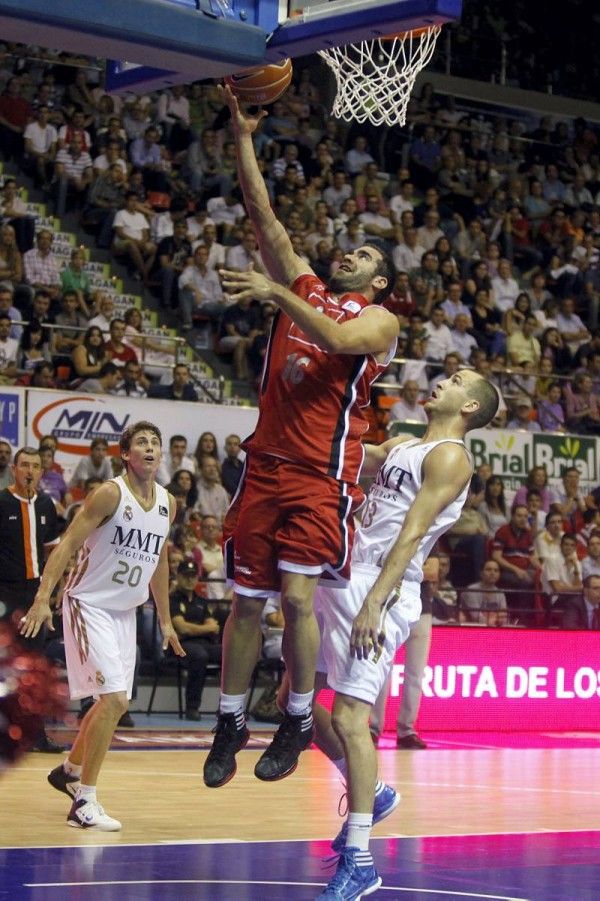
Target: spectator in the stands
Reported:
[(71, 324), (75, 127), (522, 420), (198, 631), (514, 551), (145, 154), (493, 505), (438, 336), (550, 412), (537, 477), (452, 364), (582, 611), (521, 345), (132, 237), (358, 156), (505, 287), (156, 354), (216, 250), (176, 458), (172, 254), (581, 405), (462, 341), (203, 165), (245, 255), (468, 539), (105, 382), (112, 155), (11, 265), (212, 563), (212, 497), (6, 476), (572, 329), (9, 350), (570, 500), (547, 542), (240, 324), (591, 564), (7, 308), (206, 446), (14, 115), (232, 467), (34, 346), (53, 483), (42, 376), (105, 198), (483, 602), (96, 464), (536, 518), (14, 213), (561, 574), (117, 351), (181, 387), (74, 278), (132, 381), (200, 290), (408, 408), (73, 173), (89, 356), (185, 479), (226, 212), (41, 265)]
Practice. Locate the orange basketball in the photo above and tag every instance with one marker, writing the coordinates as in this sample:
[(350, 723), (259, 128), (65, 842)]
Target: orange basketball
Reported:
[(261, 85)]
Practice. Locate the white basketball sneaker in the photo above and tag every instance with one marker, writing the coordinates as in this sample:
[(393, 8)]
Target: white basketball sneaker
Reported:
[(85, 814)]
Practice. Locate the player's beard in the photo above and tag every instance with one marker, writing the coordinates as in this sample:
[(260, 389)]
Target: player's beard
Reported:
[(341, 282)]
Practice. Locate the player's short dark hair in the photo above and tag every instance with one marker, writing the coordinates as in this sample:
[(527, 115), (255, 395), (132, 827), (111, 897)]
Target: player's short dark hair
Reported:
[(28, 451), (486, 395), (387, 270), (128, 434), (175, 438)]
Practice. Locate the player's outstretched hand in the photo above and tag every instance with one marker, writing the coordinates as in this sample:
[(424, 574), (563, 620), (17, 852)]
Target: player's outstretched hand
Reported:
[(38, 614), (366, 635), (243, 122), (249, 285), (170, 638)]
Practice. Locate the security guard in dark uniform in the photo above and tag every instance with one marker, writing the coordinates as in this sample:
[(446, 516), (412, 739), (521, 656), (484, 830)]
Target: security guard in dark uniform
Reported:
[(28, 529), (198, 633)]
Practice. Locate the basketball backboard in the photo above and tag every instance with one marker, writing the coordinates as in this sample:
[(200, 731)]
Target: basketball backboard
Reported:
[(169, 41)]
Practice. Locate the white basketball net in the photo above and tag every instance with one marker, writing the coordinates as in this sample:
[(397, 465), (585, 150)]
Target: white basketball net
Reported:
[(375, 78)]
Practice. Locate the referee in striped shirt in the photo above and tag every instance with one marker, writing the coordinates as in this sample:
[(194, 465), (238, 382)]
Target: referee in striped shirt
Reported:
[(29, 530)]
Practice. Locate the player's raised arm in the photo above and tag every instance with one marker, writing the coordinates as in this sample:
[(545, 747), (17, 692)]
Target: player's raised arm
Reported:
[(99, 506), (282, 263), (374, 331), (446, 471), (376, 454)]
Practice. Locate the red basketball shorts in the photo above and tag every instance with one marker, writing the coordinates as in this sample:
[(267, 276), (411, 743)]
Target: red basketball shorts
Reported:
[(288, 517)]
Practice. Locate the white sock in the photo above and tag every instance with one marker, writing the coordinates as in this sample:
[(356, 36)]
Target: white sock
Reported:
[(86, 793), (341, 766), (379, 787), (299, 705), (71, 769), (359, 831), (234, 704)]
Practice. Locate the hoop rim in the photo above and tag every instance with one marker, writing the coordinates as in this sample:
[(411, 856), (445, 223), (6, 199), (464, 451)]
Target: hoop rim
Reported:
[(412, 32)]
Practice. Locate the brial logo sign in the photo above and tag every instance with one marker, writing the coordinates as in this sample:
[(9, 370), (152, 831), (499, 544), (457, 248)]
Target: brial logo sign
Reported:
[(557, 452)]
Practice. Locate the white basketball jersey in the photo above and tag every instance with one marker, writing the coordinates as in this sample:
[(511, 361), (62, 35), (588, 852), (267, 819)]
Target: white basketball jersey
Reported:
[(390, 498), (117, 561)]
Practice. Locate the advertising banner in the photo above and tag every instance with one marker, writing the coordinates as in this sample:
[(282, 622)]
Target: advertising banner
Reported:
[(75, 419), (511, 454), (12, 416), (500, 680)]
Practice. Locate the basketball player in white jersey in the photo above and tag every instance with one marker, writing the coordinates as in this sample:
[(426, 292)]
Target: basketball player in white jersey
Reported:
[(418, 493), (121, 536)]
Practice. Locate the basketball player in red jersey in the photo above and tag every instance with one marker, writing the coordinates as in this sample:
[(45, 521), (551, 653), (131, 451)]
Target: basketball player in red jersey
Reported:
[(291, 520)]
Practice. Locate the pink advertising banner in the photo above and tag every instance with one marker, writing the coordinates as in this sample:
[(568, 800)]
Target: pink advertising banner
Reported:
[(506, 680)]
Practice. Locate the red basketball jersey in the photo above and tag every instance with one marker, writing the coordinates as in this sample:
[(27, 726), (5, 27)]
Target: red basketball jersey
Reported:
[(311, 401)]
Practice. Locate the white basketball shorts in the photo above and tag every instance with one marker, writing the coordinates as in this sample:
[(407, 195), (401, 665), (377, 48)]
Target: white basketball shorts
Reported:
[(100, 649), (335, 610)]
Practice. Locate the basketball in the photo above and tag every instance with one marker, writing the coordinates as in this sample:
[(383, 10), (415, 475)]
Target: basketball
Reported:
[(261, 84)]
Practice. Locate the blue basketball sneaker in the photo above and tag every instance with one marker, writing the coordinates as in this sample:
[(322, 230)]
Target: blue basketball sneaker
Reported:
[(386, 801), (355, 878)]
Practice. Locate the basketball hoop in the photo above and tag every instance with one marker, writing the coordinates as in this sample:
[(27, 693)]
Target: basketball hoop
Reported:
[(375, 78)]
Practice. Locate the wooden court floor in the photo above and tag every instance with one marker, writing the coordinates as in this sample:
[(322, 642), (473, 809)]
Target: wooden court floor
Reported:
[(160, 797)]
